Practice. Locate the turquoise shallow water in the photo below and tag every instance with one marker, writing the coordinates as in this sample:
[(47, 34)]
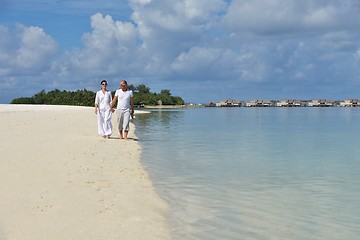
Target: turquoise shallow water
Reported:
[(256, 173)]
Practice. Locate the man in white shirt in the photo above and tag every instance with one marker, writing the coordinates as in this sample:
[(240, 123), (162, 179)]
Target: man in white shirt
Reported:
[(125, 108)]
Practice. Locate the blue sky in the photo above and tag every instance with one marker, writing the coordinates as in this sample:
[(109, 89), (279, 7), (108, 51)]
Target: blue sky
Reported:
[(202, 50)]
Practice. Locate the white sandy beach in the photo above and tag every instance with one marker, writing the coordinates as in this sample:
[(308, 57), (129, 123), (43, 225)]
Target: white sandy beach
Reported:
[(60, 180)]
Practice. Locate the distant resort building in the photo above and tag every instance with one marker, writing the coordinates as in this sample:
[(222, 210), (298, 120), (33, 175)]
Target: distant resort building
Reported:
[(290, 103), (228, 103), (259, 103), (321, 103), (350, 103), (286, 103)]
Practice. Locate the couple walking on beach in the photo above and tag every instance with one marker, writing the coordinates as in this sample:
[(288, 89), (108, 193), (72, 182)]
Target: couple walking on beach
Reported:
[(104, 107)]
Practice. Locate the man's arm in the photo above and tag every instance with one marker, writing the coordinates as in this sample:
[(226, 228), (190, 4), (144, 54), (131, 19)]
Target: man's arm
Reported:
[(132, 107)]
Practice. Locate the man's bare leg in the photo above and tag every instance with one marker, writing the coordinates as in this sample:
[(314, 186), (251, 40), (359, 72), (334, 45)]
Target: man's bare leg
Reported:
[(120, 134), (126, 135)]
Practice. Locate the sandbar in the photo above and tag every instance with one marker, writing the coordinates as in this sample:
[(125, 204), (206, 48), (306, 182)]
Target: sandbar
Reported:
[(60, 180)]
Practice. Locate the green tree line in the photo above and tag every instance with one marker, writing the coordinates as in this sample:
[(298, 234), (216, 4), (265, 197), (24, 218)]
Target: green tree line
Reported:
[(142, 96)]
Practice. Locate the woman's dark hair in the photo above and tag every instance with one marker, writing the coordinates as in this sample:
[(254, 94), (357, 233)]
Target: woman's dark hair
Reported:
[(103, 81)]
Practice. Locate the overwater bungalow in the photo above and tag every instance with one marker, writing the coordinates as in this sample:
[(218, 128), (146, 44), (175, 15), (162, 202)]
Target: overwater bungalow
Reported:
[(229, 103), (290, 103), (321, 103), (350, 103), (259, 103)]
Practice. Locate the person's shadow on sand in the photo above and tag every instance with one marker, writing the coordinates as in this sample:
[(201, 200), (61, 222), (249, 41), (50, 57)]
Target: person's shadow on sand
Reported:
[(128, 139)]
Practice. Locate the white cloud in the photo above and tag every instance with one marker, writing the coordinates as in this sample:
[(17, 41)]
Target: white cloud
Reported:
[(175, 16), (140, 2), (195, 59), (36, 48), (291, 16), (269, 43), (108, 33), (321, 16), (222, 64), (357, 54), (110, 48), (26, 54), (26, 50), (200, 10)]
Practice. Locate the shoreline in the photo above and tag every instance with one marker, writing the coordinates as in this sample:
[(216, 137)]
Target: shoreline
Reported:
[(61, 180)]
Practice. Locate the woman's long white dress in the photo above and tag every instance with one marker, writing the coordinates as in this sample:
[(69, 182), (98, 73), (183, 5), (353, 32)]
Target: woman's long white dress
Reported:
[(104, 114)]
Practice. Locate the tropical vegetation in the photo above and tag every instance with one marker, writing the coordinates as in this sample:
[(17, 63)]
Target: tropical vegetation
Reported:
[(142, 96)]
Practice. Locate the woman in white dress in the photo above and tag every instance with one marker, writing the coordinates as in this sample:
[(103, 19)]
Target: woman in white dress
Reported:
[(104, 110)]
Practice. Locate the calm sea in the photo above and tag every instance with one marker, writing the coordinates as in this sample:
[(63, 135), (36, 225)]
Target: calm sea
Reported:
[(256, 173)]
